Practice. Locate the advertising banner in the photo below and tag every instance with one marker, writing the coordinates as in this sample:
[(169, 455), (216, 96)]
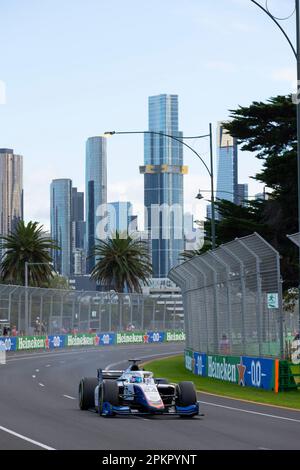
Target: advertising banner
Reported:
[(55, 341), (82, 339), (259, 372), (188, 359), (131, 337), (106, 339), (224, 368), (155, 336), (243, 370), (200, 364), (174, 336), (31, 342), (9, 343)]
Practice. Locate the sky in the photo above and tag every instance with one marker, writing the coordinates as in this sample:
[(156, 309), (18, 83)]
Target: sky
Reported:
[(73, 69)]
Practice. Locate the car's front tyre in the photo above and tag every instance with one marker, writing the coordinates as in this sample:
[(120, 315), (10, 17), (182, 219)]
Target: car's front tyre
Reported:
[(86, 392), (108, 397)]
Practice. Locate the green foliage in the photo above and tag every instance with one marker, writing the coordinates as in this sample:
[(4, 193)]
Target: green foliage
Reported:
[(122, 262), (58, 282), (270, 129), (27, 243)]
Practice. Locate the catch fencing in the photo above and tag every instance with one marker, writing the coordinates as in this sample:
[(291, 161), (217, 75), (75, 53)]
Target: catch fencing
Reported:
[(54, 311), (232, 299)]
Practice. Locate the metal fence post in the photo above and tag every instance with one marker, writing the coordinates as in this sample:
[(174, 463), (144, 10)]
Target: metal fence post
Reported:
[(216, 306), (258, 297)]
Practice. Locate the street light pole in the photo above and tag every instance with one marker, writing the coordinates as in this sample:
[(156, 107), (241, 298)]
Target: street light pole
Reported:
[(296, 52), (26, 292), (213, 215), (209, 170), (26, 298), (298, 134)]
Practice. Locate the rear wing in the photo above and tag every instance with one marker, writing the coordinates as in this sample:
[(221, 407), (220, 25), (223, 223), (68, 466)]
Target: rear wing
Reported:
[(109, 374)]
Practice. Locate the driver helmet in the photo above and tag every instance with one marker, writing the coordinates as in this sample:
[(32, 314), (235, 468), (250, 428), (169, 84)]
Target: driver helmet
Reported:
[(136, 379)]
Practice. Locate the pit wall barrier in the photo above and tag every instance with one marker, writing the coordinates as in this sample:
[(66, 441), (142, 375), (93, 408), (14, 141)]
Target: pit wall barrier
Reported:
[(21, 343), (245, 371)]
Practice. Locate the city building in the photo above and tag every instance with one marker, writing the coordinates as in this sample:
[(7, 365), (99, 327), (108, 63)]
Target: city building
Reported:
[(227, 166), (78, 232), (163, 172), (95, 192), (61, 226), (119, 216), (242, 194), (11, 190)]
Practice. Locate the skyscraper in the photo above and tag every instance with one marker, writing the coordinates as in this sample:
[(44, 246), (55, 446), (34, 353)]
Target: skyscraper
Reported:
[(96, 190), (119, 214), (163, 183), (11, 190), (227, 166), (77, 216), (61, 225), (242, 194)]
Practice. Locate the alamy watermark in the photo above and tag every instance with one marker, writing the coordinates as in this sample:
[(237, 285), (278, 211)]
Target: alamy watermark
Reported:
[(167, 222)]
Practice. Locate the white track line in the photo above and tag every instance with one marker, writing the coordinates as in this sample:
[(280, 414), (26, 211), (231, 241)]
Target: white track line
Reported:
[(41, 385), (68, 396), (24, 438), (251, 412), (55, 354)]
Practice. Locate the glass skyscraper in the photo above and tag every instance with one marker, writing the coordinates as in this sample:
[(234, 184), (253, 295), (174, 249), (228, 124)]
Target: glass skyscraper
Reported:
[(61, 225), (163, 184), (227, 166), (95, 190), (119, 216), (11, 190)]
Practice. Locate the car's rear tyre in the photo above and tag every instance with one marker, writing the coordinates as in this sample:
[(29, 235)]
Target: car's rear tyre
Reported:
[(86, 392), (186, 394), (108, 394)]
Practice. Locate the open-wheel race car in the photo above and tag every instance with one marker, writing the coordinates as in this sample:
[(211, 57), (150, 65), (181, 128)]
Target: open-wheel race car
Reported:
[(136, 392)]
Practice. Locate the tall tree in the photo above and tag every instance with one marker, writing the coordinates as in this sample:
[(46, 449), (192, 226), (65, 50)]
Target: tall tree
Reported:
[(123, 262), (27, 243), (270, 130)]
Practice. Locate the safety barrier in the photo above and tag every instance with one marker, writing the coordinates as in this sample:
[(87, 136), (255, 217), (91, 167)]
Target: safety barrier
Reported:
[(245, 371), (20, 343)]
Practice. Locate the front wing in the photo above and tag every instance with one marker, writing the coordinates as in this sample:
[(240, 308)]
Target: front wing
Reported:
[(110, 410)]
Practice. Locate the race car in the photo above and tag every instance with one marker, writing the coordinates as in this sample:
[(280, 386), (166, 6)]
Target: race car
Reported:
[(135, 391)]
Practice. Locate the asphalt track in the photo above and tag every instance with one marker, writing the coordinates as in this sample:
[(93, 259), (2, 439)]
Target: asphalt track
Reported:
[(39, 410)]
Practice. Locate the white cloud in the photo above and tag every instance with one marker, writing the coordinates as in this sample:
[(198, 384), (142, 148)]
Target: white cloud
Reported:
[(286, 74)]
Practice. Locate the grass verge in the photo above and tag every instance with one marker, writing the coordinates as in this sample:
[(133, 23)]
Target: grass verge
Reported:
[(173, 369)]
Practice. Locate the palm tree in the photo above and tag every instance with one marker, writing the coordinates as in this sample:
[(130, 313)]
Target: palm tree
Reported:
[(27, 243), (122, 261)]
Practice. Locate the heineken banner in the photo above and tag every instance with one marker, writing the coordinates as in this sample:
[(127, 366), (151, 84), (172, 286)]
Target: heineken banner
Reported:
[(188, 359), (130, 337), (82, 339), (31, 342), (156, 336), (200, 364), (106, 339), (9, 343), (259, 372), (89, 339), (55, 341), (242, 370), (174, 336)]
